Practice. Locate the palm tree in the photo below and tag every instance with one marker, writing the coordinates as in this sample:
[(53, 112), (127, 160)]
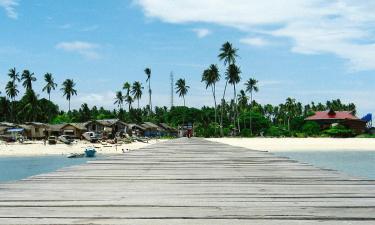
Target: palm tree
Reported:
[(14, 75), (28, 78), (129, 100), (119, 99), (251, 86), (68, 89), (181, 88), (137, 91), (148, 74), (11, 91), (227, 54), (211, 76), (290, 107), (50, 84), (233, 77)]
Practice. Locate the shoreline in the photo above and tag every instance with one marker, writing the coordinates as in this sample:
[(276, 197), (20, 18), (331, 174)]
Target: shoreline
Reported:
[(37, 148), (300, 144)]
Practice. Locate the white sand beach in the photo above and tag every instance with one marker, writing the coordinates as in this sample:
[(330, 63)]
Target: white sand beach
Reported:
[(37, 148), (301, 144)]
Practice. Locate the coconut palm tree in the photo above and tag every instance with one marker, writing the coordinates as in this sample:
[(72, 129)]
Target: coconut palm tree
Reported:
[(137, 91), (11, 91), (251, 86), (50, 84), (290, 108), (129, 100), (233, 77), (148, 74), (211, 76), (14, 75), (119, 99), (181, 88), (228, 55), (28, 78), (68, 89)]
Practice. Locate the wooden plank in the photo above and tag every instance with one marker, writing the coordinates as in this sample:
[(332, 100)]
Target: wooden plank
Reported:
[(190, 181)]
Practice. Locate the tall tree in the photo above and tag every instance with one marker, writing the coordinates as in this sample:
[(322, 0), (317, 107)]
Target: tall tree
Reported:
[(14, 75), (211, 76), (290, 107), (233, 77), (228, 55), (148, 74), (68, 89), (137, 91), (50, 84), (28, 79), (181, 88), (251, 86), (12, 91), (119, 99)]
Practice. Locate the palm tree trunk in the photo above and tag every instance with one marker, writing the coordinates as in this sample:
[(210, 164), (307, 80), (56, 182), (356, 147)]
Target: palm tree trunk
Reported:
[(69, 105), (251, 109), (213, 93), (222, 110), (138, 102), (49, 96), (237, 120), (149, 95), (184, 100)]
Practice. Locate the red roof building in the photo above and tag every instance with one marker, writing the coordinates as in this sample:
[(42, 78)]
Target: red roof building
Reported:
[(346, 118)]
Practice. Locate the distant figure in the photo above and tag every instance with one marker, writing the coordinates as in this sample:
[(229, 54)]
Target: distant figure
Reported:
[(45, 141), (189, 133)]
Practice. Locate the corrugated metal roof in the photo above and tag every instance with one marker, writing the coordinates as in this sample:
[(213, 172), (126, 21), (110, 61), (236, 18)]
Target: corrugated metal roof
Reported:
[(339, 115)]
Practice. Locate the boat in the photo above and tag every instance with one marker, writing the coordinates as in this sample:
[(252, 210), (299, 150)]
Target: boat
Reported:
[(91, 137), (90, 152), (76, 155), (66, 139)]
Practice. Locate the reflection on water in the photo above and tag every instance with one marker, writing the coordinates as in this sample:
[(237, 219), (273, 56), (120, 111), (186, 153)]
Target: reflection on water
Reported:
[(15, 168), (356, 163)]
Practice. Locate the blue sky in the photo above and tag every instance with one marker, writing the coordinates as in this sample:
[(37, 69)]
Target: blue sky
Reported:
[(307, 49)]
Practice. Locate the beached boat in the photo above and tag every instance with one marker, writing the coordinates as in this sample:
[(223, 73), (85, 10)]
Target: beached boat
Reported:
[(76, 155), (90, 136), (90, 152), (66, 139)]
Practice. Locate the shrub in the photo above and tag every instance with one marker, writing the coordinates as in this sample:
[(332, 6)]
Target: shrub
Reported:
[(311, 128), (339, 131), (275, 131)]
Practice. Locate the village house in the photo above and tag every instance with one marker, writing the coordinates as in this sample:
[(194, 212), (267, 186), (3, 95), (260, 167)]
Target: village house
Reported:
[(135, 130), (151, 129), (168, 130), (34, 130), (106, 127), (346, 118), (74, 130)]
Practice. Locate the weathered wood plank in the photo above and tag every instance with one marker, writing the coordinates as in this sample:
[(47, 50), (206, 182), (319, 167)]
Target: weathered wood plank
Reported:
[(190, 181)]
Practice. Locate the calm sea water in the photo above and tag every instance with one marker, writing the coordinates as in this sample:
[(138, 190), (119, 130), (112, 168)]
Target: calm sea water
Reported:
[(356, 163), (16, 168)]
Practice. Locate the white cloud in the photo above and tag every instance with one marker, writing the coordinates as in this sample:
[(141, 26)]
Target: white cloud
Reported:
[(202, 32), (256, 41), (344, 28), (86, 49), (9, 7)]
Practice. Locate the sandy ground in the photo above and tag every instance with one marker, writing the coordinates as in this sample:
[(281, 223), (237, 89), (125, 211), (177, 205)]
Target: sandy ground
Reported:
[(301, 144), (37, 148)]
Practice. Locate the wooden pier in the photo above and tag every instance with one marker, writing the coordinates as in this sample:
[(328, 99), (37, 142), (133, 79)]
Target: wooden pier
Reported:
[(190, 181)]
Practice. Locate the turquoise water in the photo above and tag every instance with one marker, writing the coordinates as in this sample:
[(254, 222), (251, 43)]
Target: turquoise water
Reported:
[(355, 163), (16, 168)]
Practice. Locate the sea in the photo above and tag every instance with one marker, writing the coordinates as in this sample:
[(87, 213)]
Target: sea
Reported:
[(16, 168), (356, 163)]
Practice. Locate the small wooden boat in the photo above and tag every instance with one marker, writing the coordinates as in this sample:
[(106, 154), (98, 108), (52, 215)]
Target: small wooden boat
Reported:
[(90, 152), (76, 155)]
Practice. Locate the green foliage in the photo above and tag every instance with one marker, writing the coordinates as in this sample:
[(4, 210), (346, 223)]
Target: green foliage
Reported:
[(311, 128), (275, 131), (339, 131)]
